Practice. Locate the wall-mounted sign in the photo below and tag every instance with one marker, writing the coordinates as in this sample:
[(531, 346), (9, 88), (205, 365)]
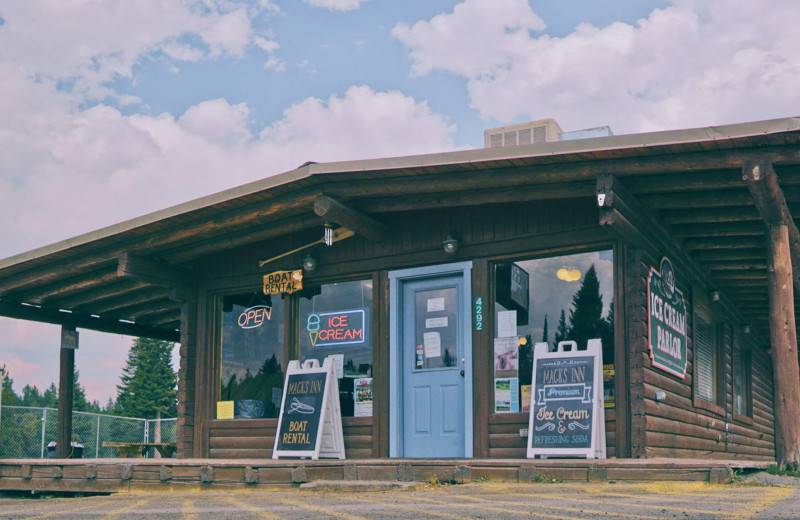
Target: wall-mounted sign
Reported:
[(478, 313), (326, 329), (283, 282), (512, 290), (666, 310), (255, 316)]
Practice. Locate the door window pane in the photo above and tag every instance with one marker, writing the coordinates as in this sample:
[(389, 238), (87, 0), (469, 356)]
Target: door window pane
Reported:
[(251, 360), (435, 329), (336, 320)]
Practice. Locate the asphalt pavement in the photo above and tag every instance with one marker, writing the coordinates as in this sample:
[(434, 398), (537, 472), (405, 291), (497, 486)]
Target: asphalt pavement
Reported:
[(486, 500)]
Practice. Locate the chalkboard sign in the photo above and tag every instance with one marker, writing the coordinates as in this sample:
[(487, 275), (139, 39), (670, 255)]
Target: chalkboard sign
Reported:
[(310, 422), (566, 411)]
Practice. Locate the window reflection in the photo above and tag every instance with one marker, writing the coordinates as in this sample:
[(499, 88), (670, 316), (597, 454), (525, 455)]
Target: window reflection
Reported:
[(336, 320), (550, 300), (251, 365)]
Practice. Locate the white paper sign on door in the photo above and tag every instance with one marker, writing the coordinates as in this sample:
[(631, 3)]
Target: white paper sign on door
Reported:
[(433, 344)]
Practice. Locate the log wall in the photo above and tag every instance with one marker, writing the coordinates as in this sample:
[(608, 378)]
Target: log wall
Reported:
[(255, 438), (682, 425)]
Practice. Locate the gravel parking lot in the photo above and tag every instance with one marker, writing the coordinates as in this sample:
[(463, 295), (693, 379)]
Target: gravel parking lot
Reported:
[(486, 500)]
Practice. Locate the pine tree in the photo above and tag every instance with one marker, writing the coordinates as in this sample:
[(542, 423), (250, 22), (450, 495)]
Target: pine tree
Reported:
[(585, 318), (147, 386), (562, 332), (10, 397), (545, 333), (49, 397)]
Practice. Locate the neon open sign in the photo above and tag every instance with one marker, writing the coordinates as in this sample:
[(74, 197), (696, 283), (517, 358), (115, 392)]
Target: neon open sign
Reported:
[(254, 316), (327, 329)]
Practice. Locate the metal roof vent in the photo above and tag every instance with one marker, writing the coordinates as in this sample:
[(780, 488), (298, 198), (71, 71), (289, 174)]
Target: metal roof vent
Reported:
[(534, 132)]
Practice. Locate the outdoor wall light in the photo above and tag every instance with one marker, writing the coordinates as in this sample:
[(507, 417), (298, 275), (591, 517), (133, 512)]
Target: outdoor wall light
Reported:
[(309, 263), (714, 295), (450, 244)]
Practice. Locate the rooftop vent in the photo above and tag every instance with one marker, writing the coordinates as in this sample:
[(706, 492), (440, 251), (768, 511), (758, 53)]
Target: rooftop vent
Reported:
[(542, 131), (534, 132)]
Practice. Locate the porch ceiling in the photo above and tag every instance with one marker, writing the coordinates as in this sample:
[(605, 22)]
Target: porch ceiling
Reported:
[(130, 277)]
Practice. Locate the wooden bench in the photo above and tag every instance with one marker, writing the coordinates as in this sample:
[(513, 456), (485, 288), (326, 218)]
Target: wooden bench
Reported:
[(137, 450)]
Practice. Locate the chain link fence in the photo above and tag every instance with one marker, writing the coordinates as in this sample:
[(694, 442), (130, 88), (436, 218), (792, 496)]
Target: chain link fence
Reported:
[(25, 432)]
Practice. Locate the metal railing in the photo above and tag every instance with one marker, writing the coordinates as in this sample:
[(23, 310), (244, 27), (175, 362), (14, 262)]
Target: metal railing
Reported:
[(25, 432)]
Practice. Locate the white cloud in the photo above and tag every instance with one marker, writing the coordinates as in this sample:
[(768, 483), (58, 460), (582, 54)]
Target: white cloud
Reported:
[(694, 63), (89, 43), (336, 5)]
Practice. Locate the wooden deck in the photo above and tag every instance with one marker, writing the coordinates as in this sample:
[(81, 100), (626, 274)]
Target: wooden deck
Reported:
[(122, 475)]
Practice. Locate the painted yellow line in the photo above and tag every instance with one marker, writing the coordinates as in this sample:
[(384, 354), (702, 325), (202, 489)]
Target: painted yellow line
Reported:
[(594, 500), (773, 495), (58, 512), (418, 512), (253, 509), (323, 510), (125, 509), (574, 511), (188, 510)]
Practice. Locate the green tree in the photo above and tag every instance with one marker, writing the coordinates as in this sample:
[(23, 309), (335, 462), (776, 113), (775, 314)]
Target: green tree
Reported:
[(148, 383), (545, 333), (585, 318), (10, 397), (562, 332)]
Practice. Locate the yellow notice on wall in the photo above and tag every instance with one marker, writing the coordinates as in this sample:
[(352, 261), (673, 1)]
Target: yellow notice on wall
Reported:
[(225, 410)]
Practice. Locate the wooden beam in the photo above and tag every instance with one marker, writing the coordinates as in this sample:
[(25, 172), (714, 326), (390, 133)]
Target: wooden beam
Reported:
[(115, 303), (154, 272), (722, 229), (783, 338), (705, 216), (476, 197), (771, 204), (66, 381), (722, 243), (625, 216), (81, 301), (60, 289), (334, 211), (84, 321)]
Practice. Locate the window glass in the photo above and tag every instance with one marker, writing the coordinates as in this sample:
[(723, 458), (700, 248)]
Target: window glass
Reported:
[(336, 320), (704, 354), (552, 299), (251, 364), (741, 377), (435, 329)]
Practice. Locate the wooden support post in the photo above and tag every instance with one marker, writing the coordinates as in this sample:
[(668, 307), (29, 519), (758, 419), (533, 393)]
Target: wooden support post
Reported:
[(783, 335), (784, 253), (69, 342)]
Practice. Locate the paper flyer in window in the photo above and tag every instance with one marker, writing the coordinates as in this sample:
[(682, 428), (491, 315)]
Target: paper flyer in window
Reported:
[(506, 354), (506, 395), (526, 398), (506, 324), (362, 397), (433, 344)]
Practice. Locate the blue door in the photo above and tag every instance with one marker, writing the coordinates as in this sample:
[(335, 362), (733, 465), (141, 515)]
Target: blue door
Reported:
[(432, 335)]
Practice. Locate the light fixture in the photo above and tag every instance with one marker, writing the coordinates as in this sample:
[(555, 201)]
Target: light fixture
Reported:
[(714, 295), (450, 244), (309, 263), (568, 273)]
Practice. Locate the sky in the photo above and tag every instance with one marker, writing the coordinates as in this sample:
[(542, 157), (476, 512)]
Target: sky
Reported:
[(110, 109)]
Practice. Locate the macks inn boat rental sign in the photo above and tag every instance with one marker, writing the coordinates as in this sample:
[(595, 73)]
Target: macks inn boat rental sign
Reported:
[(666, 311)]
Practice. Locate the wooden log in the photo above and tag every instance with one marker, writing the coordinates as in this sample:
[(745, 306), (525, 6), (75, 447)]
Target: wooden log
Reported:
[(783, 335), (334, 211), (69, 342)]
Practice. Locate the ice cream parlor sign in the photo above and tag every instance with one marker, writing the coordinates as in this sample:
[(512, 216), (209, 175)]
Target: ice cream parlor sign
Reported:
[(666, 321)]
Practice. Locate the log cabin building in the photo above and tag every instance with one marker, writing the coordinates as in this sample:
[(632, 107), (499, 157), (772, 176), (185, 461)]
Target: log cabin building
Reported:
[(434, 258)]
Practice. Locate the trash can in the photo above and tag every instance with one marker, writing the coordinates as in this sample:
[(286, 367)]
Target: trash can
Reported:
[(77, 451)]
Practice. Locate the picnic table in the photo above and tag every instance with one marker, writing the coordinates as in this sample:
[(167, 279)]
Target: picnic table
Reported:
[(137, 450)]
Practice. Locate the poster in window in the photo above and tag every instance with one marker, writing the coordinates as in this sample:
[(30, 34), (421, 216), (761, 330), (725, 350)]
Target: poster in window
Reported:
[(362, 397)]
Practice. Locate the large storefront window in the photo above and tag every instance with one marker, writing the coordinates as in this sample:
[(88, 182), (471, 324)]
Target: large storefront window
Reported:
[(336, 320), (251, 364), (550, 300)]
